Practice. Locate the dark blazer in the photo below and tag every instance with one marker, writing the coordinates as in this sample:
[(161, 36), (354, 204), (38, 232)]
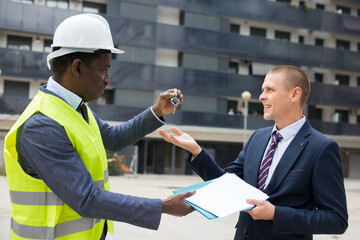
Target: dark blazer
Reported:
[(307, 187)]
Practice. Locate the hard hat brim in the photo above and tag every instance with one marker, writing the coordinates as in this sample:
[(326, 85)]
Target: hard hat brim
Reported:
[(64, 50)]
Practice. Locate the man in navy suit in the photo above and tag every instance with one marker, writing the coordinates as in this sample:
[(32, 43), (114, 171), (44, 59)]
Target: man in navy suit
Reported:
[(304, 181)]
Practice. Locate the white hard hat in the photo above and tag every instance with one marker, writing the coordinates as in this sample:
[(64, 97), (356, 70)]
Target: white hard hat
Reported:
[(82, 33)]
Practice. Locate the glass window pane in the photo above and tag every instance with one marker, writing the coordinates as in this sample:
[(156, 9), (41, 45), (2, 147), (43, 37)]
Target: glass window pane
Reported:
[(16, 89), (343, 79), (234, 28), (259, 32), (47, 46), (343, 10), (342, 44), (20, 43), (281, 35), (91, 7)]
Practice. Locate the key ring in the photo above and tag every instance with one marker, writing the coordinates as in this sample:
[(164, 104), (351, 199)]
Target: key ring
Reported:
[(174, 101)]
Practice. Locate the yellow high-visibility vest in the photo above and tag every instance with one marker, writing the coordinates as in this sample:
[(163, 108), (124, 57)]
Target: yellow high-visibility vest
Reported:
[(36, 212)]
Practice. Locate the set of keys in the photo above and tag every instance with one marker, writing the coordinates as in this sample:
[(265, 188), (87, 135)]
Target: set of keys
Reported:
[(175, 102)]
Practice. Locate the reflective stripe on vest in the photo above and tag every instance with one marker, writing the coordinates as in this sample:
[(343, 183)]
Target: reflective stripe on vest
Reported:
[(61, 229), (46, 198)]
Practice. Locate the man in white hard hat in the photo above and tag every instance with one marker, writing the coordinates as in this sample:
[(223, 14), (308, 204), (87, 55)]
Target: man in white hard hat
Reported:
[(55, 154)]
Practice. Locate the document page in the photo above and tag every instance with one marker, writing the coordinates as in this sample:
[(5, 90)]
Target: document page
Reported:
[(226, 195)]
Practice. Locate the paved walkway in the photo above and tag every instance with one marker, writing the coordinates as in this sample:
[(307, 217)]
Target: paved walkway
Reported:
[(191, 227)]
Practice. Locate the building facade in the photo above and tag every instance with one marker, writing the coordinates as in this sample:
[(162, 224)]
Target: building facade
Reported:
[(213, 51)]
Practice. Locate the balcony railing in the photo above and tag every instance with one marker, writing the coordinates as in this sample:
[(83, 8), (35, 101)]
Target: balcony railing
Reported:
[(16, 105), (43, 20), (265, 11), (27, 64)]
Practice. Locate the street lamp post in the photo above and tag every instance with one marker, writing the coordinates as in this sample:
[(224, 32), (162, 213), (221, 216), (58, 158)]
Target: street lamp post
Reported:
[(246, 95)]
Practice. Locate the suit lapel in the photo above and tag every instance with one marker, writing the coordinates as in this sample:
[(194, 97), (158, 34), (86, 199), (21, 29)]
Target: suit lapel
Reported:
[(289, 157), (257, 154)]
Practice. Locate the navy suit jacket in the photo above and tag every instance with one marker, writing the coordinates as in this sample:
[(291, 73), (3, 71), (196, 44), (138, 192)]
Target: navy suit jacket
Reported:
[(307, 187)]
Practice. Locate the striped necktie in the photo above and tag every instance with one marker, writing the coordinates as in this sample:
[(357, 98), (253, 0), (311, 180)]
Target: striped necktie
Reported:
[(83, 110), (266, 162)]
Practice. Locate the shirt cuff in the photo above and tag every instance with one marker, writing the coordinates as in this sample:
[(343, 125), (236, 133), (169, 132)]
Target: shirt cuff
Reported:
[(161, 119)]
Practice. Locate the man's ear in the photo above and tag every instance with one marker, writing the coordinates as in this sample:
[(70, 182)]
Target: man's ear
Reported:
[(76, 66), (296, 94)]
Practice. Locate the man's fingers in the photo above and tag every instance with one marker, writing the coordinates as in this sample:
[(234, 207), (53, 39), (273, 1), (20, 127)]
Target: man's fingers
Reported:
[(163, 134), (176, 131), (189, 194), (171, 93), (252, 201)]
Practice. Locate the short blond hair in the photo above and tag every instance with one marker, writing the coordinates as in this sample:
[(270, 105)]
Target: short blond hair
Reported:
[(295, 77)]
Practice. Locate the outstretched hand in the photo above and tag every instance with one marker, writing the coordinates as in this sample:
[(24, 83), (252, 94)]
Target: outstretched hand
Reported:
[(176, 206), (163, 105), (181, 139)]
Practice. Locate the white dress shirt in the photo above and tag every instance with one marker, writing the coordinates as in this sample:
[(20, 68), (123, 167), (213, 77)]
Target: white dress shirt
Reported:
[(287, 133)]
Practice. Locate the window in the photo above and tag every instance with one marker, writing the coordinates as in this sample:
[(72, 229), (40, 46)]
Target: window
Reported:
[(319, 77), (182, 18), (320, 6), (358, 81), (107, 97), (284, 1), (281, 35), (24, 1), (91, 7), (343, 79), (319, 42), (16, 89), (47, 46), (342, 9), (314, 112), (301, 39), (231, 107), (19, 43), (234, 28), (256, 109), (358, 47), (259, 32), (63, 4), (343, 115), (358, 12), (233, 67), (180, 59), (342, 44)]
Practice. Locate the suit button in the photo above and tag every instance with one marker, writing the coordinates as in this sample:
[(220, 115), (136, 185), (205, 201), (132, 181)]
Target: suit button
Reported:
[(244, 230)]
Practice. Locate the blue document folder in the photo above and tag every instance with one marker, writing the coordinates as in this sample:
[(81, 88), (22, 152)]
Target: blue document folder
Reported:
[(207, 214)]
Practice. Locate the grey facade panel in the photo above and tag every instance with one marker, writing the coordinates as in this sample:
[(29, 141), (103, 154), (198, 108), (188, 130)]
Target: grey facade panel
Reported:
[(201, 21), (136, 54), (201, 62), (133, 98), (138, 11)]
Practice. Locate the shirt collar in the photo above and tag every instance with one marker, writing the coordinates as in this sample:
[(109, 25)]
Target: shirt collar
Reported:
[(290, 130), (71, 98)]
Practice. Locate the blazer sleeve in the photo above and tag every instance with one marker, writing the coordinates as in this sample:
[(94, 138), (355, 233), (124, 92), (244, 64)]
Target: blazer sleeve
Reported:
[(329, 213), (208, 169)]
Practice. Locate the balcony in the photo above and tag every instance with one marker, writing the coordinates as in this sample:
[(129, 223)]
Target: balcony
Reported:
[(27, 64), (24, 64), (266, 11), (14, 105), (43, 20)]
